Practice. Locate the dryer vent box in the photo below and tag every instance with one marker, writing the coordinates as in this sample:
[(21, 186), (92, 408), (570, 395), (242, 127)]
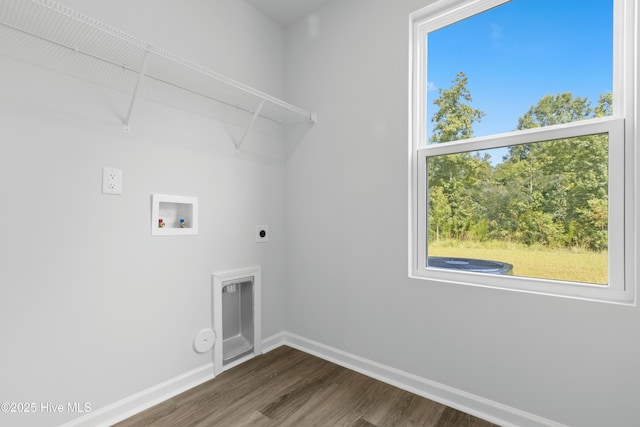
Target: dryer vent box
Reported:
[(237, 317)]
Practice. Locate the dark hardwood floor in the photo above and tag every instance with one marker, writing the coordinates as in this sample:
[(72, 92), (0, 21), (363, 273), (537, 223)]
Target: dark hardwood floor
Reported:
[(287, 387)]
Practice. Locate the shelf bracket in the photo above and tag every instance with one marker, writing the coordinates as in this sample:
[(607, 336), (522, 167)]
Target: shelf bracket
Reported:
[(253, 121), (145, 60)]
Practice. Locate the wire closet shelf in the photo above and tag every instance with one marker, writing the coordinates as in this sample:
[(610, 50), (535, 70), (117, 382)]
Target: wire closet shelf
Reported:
[(53, 32)]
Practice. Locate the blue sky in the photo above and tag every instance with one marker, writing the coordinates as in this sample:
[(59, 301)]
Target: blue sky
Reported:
[(515, 54)]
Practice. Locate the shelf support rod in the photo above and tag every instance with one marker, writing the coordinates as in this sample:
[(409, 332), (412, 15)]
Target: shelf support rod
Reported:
[(143, 68), (253, 120)]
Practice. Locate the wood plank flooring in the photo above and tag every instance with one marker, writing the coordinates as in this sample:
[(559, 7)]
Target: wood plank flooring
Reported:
[(287, 387)]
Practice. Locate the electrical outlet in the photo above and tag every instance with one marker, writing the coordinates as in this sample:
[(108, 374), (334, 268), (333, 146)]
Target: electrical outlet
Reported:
[(262, 233), (111, 181)]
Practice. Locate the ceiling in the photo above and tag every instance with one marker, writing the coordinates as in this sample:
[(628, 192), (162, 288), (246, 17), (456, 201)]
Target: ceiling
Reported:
[(284, 12)]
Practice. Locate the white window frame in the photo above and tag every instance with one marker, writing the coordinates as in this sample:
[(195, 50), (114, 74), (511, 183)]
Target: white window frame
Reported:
[(623, 158)]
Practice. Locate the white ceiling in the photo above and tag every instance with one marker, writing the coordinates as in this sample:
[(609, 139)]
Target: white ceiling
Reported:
[(284, 12)]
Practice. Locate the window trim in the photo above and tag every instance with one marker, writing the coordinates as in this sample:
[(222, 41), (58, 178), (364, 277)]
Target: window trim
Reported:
[(622, 126)]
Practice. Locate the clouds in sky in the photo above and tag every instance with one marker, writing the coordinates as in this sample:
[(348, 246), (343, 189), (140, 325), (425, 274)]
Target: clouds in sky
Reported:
[(496, 34)]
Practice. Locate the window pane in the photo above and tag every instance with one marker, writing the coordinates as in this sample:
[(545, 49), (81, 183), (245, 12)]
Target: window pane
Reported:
[(541, 207), (525, 64)]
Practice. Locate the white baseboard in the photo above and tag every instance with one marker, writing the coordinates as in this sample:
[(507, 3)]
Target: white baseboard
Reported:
[(469, 403), (486, 409), (131, 405), (273, 342)]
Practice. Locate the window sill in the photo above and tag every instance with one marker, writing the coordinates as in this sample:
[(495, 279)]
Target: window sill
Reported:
[(577, 291)]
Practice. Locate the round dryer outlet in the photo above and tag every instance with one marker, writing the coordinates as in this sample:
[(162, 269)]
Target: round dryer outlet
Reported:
[(262, 233), (204, 340)]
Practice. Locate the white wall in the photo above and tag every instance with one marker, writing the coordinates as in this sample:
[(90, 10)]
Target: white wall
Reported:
[(92, 308), (573, 362)]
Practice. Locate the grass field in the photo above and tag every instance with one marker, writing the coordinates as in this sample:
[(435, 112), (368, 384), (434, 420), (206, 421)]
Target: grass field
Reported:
[(574, 265)]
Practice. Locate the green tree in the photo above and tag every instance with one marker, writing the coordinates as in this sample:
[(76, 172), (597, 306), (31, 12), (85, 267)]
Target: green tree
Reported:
[(567, 178), (455, 116), (605, 105), (439, 212), (455, 176), (552, 192), (554, 110)]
